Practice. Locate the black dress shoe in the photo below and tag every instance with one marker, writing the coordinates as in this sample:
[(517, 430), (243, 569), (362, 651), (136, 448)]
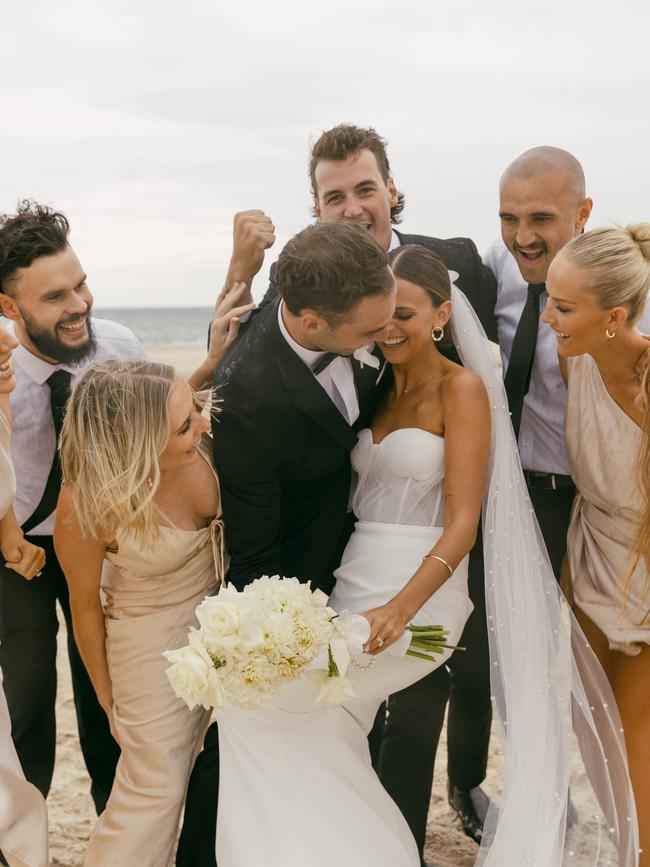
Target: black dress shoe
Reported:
[(471, 807)]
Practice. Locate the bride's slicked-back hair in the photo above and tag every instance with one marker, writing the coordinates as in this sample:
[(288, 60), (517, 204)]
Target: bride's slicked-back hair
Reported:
[(419, 265), (115, 429), (426, 269)]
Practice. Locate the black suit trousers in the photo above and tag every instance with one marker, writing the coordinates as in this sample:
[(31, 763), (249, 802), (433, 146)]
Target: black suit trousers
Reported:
[(28, 630), (405, 736), (553, 512)]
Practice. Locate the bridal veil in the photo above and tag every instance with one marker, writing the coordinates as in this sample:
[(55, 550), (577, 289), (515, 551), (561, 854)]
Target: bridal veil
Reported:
[(566, 796)]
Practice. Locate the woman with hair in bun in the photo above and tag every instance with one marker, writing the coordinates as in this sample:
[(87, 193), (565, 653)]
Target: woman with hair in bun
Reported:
[(597, 287)]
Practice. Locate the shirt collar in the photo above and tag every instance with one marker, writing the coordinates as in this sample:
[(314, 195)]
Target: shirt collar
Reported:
[(308, 356), (394, 241), (36, 368)]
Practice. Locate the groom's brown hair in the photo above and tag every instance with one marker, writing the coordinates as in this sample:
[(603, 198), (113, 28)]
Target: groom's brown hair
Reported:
[(329, 268)]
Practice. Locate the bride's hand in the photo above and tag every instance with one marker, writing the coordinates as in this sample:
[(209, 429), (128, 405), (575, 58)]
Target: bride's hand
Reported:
[(387, 624)]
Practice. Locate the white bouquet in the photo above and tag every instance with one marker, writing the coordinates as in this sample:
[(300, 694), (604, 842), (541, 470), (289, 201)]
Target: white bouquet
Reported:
[(253, 641)]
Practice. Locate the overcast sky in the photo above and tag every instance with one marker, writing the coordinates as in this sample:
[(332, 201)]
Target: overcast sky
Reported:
[(149, 123)]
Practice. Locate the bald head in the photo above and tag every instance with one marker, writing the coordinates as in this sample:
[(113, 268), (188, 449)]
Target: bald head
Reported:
[(542, 206), (547, 160)]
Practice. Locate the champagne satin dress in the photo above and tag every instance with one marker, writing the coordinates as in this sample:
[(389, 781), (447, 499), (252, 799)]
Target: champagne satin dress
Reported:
[(150, 600), (603, 447), (23, 815)]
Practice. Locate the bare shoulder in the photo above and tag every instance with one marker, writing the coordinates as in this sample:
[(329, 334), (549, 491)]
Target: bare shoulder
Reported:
[(460, 385)]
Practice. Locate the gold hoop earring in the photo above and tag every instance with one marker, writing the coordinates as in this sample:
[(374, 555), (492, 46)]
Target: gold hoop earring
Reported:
[(608, 335), (437, 334)]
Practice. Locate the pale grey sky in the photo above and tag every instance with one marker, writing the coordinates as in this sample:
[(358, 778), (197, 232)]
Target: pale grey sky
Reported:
[(149, 123)]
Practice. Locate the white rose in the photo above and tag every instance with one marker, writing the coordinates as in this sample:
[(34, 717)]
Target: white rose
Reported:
[(220, 621), (193, 676)]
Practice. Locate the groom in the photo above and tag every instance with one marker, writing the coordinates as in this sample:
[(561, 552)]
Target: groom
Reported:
[(292, 399)]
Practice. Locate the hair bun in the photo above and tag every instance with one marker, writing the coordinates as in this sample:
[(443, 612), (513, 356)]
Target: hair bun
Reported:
[(640, 234)]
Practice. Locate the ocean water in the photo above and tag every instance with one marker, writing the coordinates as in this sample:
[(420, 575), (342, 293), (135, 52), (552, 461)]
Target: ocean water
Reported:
[(165, 325)]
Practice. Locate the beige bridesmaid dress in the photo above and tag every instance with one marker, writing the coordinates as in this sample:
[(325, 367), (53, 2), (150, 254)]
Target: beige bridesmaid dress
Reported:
[(23, 815), (603, 448), (150, 600)]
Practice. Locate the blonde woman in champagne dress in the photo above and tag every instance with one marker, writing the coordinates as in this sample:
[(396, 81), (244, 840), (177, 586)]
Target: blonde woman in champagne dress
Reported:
[(597, 289), (23, 815), (139, 529)]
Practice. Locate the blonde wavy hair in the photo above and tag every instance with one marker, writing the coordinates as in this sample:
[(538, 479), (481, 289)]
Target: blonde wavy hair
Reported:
[(115, 429), (641, 550)]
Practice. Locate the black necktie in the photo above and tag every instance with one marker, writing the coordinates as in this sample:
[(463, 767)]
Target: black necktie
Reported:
[(59, 383), (324, 361), (517, 380)]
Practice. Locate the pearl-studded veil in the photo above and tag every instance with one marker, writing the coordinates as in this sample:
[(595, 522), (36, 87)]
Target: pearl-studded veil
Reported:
[(566, 797)]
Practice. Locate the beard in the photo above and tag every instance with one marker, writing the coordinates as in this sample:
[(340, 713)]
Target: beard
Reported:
[(50, 345)]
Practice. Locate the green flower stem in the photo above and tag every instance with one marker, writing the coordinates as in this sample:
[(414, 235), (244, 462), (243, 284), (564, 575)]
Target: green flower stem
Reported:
[(332, 667), (436, 646), (426, 656)]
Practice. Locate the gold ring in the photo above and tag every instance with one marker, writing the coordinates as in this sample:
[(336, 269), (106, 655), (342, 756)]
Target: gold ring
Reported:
[(380, 641)]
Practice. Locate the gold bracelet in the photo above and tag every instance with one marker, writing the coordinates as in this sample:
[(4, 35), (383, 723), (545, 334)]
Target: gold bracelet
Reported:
[(435, 557)]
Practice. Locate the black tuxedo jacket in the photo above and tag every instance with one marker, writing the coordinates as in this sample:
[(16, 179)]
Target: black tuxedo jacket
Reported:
[(283, 453), (459, 254)]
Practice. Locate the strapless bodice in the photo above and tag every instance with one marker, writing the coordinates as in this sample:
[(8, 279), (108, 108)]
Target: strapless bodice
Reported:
[(400, 480)]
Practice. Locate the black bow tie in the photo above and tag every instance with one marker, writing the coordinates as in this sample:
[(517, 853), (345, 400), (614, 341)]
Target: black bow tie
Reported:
[(323, 362)]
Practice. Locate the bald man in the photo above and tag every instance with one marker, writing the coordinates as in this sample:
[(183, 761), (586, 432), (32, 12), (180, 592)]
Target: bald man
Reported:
[(543, 204)]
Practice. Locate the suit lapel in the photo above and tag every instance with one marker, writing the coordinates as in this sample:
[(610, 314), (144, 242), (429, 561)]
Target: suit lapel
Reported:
[(308, 395)]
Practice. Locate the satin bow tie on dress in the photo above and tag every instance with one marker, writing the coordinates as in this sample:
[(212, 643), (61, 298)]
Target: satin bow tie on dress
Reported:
[(362, 355)]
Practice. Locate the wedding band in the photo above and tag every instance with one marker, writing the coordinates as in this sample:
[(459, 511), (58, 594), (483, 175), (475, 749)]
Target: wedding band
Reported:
[(380, 641)]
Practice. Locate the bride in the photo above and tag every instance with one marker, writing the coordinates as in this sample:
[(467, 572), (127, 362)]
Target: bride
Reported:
[(301, 773)]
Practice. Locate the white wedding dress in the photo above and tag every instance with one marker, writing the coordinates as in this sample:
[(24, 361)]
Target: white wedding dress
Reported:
[(296, 785)]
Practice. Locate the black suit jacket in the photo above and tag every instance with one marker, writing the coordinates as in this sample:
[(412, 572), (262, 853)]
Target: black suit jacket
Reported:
[(283, 453), (460, 255)]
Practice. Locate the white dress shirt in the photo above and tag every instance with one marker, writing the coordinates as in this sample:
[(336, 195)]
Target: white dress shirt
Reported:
[(337, 379), (541, 435), (33, 440)]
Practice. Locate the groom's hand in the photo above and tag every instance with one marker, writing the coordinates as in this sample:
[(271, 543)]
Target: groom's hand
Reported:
[(253, 234), (387, 624)]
